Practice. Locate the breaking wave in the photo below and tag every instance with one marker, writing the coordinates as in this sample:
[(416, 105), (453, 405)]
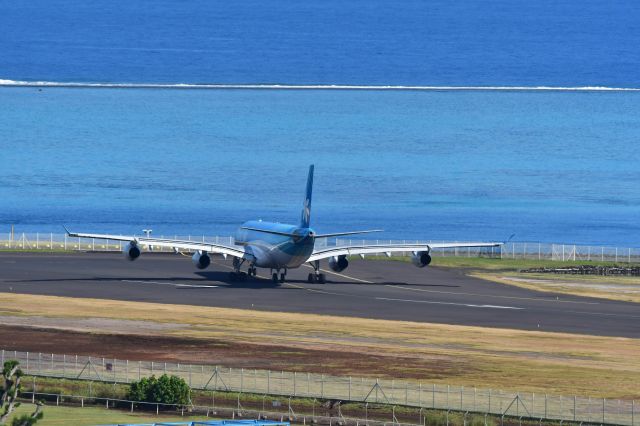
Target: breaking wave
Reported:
[(19, 83)]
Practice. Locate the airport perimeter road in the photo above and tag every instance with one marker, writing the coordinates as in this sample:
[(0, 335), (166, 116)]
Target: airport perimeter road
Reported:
[(369, 289)]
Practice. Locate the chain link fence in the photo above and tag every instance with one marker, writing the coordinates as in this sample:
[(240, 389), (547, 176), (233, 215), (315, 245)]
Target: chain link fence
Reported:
[(356, 389), (511, 250)]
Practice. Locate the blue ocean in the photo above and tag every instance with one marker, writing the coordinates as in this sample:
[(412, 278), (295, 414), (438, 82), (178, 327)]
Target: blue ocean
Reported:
[(548, 165)]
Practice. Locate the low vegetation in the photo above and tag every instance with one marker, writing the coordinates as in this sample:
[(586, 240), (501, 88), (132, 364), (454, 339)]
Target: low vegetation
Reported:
[(164, 390)]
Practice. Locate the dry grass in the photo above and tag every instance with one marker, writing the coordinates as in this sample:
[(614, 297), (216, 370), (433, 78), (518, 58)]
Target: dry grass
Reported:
[(471, 356), (614, 288)]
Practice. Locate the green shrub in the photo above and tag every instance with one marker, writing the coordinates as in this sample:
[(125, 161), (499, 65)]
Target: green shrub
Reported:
[(164, 390)]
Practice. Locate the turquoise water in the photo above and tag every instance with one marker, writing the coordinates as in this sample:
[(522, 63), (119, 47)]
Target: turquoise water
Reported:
[(548, 166)]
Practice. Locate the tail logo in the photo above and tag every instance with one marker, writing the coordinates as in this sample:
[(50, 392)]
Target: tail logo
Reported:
[(306, 211)]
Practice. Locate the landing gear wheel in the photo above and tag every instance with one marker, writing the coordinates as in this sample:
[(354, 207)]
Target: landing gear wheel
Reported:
[(322, 278), (282, 277), (274, 277), (311, 278), (232, 276), (242, 276)]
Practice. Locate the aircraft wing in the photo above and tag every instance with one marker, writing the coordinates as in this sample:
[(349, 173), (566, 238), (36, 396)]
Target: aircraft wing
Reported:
[(387, 249), (235, 251)]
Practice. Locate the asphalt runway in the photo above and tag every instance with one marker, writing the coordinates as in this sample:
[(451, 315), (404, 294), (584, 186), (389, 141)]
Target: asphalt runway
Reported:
[(369, 289)]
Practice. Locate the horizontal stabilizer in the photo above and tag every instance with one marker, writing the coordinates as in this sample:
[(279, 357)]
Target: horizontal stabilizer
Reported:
[(266, 231)]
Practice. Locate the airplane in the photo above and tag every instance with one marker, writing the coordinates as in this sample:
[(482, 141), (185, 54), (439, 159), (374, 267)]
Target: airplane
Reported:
[(280, 247)]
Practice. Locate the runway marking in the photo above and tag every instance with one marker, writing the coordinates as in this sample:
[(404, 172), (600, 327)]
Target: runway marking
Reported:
[(342, 275), (313, 290), (171, 284), (495, 296), (468, 305)]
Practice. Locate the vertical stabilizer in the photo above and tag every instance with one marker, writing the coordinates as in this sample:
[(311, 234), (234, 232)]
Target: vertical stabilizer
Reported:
[(306, 208)]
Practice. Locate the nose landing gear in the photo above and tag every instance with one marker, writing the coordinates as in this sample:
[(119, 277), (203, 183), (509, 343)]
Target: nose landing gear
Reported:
[(274, 276), (236, 274)]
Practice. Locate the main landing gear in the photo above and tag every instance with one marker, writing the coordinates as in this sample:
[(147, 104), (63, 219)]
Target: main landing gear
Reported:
[(316, 276)]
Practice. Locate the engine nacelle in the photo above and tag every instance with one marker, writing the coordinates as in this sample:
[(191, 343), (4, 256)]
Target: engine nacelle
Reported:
[(131, 251), (338, 264), (421, 259), (201, 259)]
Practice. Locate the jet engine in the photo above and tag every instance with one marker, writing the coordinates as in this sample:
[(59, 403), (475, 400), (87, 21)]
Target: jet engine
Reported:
[(338, 264), (421, 259), (131, 251), (201, 259)]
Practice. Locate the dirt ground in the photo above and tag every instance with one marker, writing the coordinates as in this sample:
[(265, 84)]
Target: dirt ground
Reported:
[(217, 352)]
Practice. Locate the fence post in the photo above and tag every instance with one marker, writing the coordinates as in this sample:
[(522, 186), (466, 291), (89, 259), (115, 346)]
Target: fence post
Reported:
[(533, 404), (433, 396), (489, 400), (475, 393), (349, 388), (604, 400), (633, 406), (448, 389), (574, 408)]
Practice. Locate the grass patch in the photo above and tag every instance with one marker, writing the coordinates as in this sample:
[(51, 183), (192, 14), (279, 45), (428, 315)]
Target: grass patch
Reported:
[(492, 264), (59, 416)]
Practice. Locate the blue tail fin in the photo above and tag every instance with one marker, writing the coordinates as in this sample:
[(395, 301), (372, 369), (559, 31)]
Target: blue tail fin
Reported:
[(306, 208)]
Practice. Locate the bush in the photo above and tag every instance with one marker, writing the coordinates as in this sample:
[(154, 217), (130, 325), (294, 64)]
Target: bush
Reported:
[(164, 390)]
